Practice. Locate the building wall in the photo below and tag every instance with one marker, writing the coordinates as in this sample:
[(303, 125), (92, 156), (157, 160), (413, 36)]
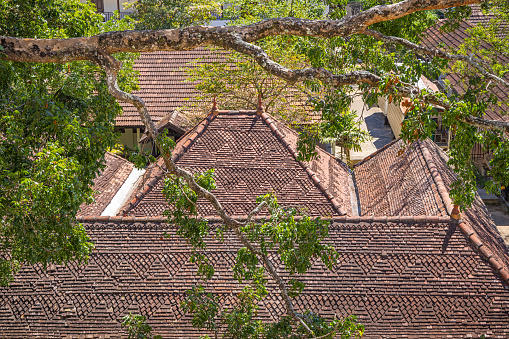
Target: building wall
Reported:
[(393, 113), (129, 138)]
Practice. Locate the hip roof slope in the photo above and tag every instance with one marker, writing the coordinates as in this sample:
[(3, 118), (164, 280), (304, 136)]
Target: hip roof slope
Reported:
[(252, 155)]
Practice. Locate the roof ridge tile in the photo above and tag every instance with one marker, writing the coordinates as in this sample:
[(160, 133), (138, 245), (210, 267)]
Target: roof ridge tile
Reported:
[(484, 251), (339, 219), (469, 232), (437, 178)]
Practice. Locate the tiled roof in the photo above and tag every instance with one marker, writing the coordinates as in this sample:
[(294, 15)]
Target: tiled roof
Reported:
[(252, 155), (396, 180), (108, 183), (476, 219), (479, 18), (453, 40), (403, 279), (162, 83), (417, 182)]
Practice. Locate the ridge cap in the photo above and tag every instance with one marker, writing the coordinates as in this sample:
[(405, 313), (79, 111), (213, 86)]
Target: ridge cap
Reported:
[(437, 177), (470, 234), (125, 161), (339, 219)]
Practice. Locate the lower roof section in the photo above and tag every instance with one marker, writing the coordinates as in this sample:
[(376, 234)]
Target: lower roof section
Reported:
[(416, 279)]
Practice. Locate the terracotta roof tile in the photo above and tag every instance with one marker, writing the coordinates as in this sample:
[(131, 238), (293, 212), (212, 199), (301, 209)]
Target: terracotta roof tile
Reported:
[(417, 183), (453, 40), (400, 279), (252, 155), (391, 184), (479, 18), (108, 183), (163, 86), (477, 217)]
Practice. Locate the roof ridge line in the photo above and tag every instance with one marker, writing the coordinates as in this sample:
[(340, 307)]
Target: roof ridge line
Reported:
[(422, 219), (468, 231), (495, 262), (437, 178), (176, 155), (119, 157), (377, 151), (267, 119)]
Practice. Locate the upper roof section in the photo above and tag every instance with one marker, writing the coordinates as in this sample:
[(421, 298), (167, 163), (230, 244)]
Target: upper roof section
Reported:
[(479, 18), (176, 122), (397, 180), (434, 37), (252, 155), (108, 183), (163, 86)]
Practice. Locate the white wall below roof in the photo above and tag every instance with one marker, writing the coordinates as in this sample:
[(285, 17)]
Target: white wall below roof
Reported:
[(123, 193)]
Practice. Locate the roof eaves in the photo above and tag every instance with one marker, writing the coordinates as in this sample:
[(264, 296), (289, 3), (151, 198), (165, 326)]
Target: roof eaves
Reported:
[(484, 251)]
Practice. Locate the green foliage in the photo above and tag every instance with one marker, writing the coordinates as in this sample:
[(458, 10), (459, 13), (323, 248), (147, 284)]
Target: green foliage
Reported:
[(239, 81), (137, 328), (340, 124), (56, 124), (164, 14)]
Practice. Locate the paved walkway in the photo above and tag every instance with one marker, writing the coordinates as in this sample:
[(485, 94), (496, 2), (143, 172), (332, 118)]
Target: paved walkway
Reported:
[(501, 218), (373, 122)]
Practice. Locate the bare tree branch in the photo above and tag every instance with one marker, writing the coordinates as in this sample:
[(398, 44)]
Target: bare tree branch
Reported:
[(487, 124)]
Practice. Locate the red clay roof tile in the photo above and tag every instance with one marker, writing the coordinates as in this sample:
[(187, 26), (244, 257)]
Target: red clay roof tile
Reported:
[(400, 279), (163, 85), (434, 37)]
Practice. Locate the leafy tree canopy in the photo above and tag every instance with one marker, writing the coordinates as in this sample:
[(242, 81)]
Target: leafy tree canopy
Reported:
[(160, 14), (55, 127)]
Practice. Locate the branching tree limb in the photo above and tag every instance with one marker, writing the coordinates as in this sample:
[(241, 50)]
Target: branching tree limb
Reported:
[(65, 50), (99, 48), (479, 64), (111, 66)]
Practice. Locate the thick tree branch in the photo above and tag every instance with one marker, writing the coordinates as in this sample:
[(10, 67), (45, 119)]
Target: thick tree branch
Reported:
[(487, 124), (65, 50), (479, 64), (111, 66)]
